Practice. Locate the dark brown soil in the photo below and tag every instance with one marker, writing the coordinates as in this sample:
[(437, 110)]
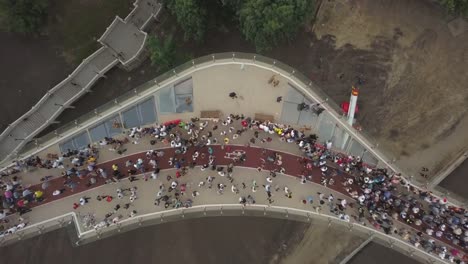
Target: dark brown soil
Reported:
[(376, 253), (456, 181), (204, 240), (30, 67)]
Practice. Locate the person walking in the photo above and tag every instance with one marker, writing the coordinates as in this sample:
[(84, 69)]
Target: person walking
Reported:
[(233, 95)]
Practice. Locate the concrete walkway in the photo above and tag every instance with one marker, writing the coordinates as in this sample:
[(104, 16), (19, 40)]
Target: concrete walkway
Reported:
[(123, 42), (246, 173)]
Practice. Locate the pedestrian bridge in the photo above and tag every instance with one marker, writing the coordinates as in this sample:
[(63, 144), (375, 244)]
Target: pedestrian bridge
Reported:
[(122, 44), (181, 94), (215, 210), (185, 92)]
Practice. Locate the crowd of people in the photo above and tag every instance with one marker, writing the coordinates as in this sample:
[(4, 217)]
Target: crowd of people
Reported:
[(19, 198), (382, 198)]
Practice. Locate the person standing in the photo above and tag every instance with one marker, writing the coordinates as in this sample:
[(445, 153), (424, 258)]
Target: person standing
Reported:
[(233, 95)]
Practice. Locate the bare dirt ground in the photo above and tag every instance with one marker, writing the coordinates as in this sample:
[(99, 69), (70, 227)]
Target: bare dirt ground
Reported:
[(30, 67), (205, 240), (335, 244), (452, 182), (414, 100), (374, 251)]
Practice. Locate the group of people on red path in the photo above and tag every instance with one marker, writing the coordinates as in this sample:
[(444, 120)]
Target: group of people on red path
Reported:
[(382, 197)]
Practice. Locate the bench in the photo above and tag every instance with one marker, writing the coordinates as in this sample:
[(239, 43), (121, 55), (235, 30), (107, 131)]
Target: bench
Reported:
[(214, 114), (264, 117)]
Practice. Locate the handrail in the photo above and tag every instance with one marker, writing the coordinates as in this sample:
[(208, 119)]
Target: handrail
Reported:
[(264, 210)]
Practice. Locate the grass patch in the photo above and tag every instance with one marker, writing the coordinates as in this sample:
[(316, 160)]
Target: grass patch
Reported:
[(75, 25)]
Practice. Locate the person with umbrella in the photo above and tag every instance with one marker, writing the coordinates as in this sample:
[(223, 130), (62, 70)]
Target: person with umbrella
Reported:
[(45, 184)]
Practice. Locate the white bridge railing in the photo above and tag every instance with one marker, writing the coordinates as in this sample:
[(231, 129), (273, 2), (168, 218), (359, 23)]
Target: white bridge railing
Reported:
[(212, 210)]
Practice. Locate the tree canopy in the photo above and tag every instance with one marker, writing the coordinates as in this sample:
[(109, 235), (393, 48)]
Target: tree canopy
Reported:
[(268, 22), (162, 53), (23, 16), (191, 16), (459, 7)]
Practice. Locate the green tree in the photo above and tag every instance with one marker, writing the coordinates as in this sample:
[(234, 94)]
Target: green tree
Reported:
[(191, 16), (459, 7), (235, 5), (23, 16), (162, 52), (269, 22)]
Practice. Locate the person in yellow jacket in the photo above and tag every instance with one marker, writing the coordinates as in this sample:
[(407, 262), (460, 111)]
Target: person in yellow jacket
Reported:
[(39, 195)]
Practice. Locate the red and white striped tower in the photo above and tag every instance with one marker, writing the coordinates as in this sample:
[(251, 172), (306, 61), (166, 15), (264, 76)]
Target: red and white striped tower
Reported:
[(352, 105), (351, 112)]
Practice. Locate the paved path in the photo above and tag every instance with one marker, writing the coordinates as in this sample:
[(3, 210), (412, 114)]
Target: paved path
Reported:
[(254, 155)]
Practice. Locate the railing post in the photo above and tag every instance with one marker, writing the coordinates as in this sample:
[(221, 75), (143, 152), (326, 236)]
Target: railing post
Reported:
[(76, 123), (40, 229), (292, 73), (213, 56), (274, 64), (77, 242), (136, 92), (61, 221), (204, 210), (182, 213), (175, 73), (96, 112), (221, 210), (116, 101), (193, 63), (57, 134), (233, 56), (161, 217), (350, 227), (329, 222), (243, 210), (20, 235), (287, 213), (140, 221), (157, 83), (36, 142), (119, 227), (264, 210), (308, 217), (254, 58)]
